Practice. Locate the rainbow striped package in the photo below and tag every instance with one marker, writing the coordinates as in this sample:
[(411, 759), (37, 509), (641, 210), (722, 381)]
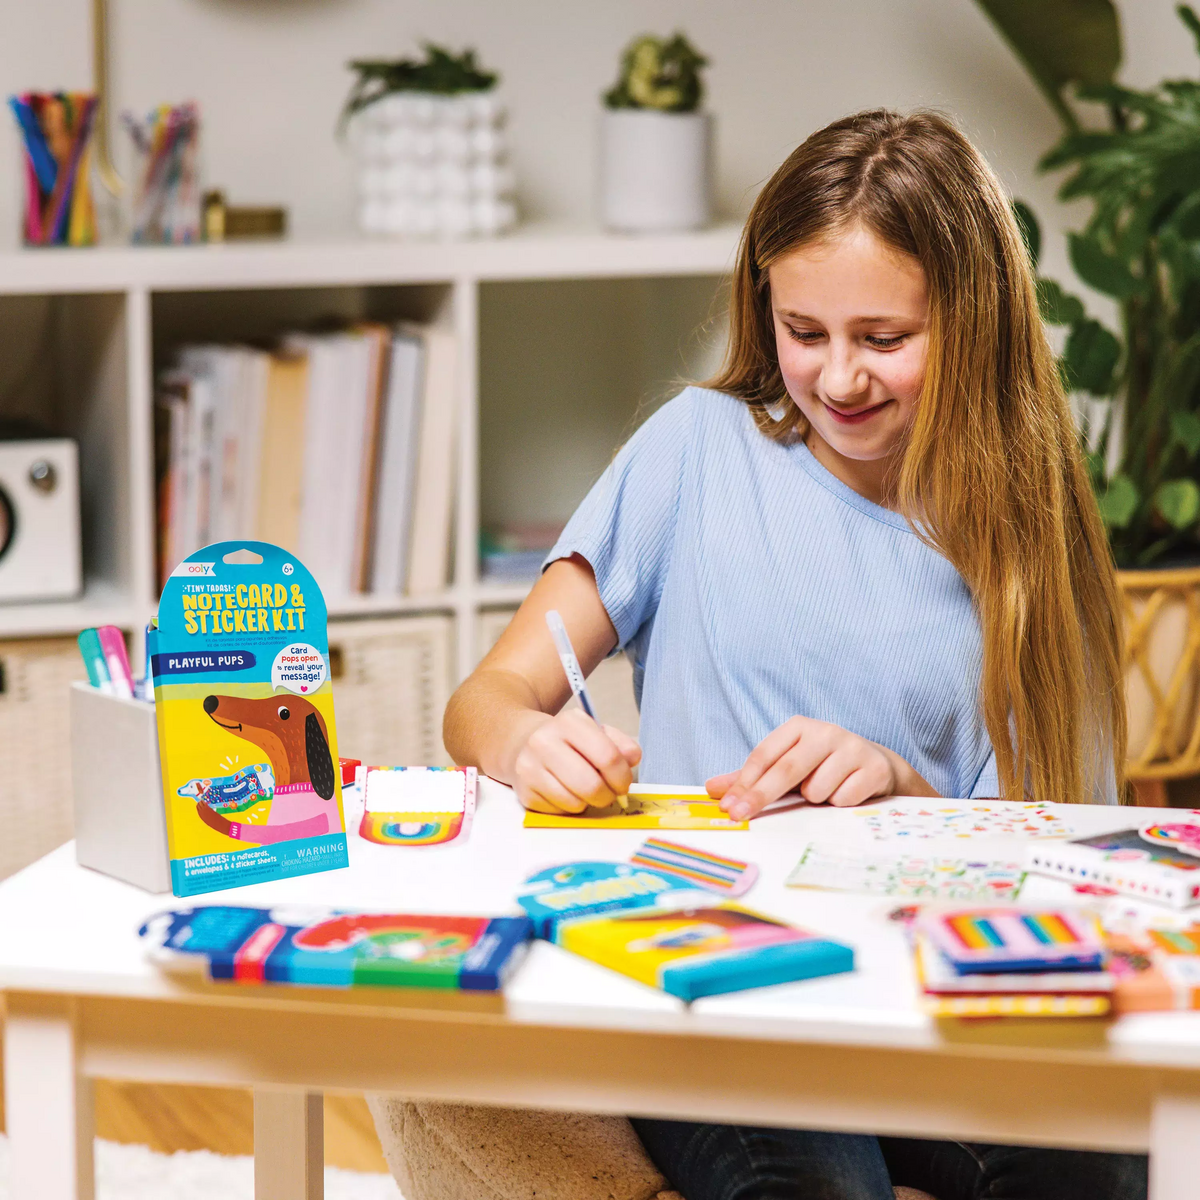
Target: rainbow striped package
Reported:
[(991, 940), (416, 806), (728, 876)]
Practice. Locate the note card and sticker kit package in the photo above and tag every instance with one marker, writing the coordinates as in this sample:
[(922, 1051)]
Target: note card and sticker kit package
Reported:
[(246, 736)]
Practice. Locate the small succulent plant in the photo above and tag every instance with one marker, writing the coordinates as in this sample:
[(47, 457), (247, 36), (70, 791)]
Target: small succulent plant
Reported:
[(442, 72), (659, 73)]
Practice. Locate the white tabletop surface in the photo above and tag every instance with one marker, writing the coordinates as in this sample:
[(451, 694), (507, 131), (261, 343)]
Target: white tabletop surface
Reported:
[(67, 929)]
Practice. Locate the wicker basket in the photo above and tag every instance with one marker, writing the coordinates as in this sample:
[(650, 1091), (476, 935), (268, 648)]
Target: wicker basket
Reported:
[(1162, 672), (391, 681), (610, 684), (35, 760)]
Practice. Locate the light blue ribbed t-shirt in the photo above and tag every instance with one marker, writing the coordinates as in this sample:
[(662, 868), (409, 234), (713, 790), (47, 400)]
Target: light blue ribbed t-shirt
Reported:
[(749, 585)]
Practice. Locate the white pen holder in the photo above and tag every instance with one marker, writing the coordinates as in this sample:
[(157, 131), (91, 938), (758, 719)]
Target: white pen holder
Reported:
[(120, 821)]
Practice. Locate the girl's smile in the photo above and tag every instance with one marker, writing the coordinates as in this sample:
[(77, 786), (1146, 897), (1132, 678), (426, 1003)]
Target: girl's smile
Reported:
[(858, 416)]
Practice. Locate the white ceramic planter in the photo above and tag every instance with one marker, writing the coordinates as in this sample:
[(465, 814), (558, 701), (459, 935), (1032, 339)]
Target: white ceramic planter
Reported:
[(655, 170)]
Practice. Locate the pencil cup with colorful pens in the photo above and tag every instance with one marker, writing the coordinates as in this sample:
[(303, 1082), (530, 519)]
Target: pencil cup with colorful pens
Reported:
[(56, 130), (166, 193)]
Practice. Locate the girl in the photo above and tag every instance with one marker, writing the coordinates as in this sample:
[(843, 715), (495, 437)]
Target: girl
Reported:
[(865, 560)]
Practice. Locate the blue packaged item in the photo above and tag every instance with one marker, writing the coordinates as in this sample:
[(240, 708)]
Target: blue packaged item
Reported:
[(337, 948)]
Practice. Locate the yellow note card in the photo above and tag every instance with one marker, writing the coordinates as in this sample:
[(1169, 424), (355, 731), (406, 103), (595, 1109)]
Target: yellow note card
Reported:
[(650, 807)]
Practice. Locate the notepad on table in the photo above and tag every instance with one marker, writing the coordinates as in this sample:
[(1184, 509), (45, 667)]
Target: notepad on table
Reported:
[(650, 806)]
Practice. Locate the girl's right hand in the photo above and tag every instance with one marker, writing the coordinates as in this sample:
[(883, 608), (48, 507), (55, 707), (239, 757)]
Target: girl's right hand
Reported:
[(569, 762)]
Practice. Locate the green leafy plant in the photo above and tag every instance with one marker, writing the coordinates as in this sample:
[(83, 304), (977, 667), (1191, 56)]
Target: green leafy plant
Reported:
[(442, 72), (1141, 246), (658, 73)]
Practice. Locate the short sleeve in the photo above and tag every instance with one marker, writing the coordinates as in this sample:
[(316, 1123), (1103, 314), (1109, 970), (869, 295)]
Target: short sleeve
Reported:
[(625, 527)]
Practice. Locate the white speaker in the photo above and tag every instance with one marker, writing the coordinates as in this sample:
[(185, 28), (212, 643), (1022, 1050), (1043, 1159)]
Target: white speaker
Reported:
[(39, 520)]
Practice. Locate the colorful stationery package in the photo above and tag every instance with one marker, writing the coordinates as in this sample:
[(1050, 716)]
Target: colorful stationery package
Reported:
[(991, 940), (417, 806), (332, 948), (1008, 963), (246, 734), (1157, 862), (1156, 970), (644, 924)]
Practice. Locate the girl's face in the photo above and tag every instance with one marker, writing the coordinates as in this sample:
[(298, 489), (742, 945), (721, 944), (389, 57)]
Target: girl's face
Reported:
[(850, 319)]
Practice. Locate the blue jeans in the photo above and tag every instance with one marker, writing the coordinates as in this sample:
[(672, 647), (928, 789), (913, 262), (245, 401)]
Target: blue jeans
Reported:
[(737, 1162)]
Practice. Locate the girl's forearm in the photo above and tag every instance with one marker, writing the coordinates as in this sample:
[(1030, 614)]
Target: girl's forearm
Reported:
[(489, 719)]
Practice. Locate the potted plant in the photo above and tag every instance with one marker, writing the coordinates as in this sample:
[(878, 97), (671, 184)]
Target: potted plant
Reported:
[(655, 143), (1137, 390), (431, 145)]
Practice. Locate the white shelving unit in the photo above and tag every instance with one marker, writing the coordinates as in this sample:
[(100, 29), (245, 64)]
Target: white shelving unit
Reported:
[(108, 317)]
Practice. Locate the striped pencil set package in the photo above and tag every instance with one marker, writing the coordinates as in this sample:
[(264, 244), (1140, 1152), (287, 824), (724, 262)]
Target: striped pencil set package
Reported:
[(698, 867), (989, 962)]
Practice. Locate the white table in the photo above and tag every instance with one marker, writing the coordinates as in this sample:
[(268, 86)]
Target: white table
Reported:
[(849, 1052)]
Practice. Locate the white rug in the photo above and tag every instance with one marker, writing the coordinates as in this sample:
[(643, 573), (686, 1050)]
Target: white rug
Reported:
[(137, 1173)]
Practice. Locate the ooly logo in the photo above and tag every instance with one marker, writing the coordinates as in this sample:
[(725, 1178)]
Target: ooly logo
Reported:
[(298, 667)]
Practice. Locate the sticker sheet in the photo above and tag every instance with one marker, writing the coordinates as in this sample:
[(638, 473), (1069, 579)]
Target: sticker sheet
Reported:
[(894, 822), (909, 876)]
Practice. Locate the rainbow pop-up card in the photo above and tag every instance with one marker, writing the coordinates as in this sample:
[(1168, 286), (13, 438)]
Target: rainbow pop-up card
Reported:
[(417, 806)]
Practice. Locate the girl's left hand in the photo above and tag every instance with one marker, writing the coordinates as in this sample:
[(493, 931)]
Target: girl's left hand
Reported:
[(824, 763)]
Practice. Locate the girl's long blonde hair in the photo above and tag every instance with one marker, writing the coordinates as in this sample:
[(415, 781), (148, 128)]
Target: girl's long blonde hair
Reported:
[(992, 475)]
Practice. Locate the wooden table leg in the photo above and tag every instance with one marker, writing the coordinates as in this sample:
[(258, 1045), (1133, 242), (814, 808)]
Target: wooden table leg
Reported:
[(47, 1101), (289, 1145), (1174, 1136)]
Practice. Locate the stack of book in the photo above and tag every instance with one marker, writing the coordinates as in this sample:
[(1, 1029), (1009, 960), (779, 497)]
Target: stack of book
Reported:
[(994, 962), (336, 446)]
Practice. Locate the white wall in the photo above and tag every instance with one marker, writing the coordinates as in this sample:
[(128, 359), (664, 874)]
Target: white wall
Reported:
[(562, 371), (270, 77)]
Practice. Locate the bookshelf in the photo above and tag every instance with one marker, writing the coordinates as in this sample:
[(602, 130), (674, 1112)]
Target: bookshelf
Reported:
[(562, 336)]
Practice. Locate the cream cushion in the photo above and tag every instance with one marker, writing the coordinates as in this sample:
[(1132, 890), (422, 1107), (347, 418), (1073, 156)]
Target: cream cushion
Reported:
[(440, 1151)]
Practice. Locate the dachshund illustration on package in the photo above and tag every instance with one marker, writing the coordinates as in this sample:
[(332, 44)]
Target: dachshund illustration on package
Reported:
[(291, 733)]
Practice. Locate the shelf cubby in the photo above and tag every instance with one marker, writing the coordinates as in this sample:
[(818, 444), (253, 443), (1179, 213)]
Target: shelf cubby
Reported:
[(566, 339), (68, 373)]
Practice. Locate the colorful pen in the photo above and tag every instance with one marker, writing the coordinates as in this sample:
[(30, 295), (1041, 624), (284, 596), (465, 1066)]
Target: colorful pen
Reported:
[(566, 655), (93, 659), (112, 643)]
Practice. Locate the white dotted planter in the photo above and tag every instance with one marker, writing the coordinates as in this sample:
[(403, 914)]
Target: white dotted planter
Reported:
[(434, 166)]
